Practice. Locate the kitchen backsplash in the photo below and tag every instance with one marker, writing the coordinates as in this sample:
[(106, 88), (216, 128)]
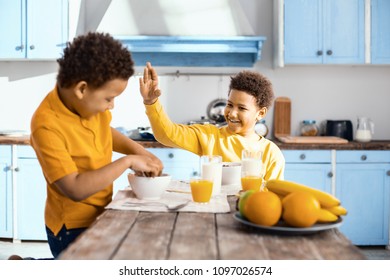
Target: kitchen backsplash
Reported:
[(317, 93)]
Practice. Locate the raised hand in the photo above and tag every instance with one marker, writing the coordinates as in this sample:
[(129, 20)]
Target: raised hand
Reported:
[(148, 85)]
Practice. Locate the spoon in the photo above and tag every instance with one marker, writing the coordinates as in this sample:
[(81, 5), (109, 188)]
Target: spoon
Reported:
[(152, 203)]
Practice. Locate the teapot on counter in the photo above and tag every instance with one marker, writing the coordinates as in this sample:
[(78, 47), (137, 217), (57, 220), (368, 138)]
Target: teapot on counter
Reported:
[(364, 130)]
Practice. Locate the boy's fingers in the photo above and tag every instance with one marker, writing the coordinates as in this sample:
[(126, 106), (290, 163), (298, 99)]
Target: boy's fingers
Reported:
[(146, 74)]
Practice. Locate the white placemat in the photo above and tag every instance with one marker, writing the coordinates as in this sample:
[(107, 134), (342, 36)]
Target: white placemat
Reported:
[(177, 193)]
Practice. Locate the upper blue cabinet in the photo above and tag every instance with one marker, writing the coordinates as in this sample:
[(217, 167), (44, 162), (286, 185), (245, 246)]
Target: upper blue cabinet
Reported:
[(238, 51), (380, 31), (322, 31), (33, 29)]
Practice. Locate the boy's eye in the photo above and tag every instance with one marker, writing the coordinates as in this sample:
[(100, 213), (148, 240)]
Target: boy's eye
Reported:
[(242, 108), (229, 105)]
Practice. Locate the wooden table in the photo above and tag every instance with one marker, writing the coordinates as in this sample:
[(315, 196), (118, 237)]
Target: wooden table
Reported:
[(203, 236)]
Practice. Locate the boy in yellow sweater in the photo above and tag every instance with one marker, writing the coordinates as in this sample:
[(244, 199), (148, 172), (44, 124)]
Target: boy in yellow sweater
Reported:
[(250, 95), (73, 140)]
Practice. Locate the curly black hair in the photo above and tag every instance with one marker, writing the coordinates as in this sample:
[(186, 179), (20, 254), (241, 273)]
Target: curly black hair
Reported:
[(254, 84), (95, 58)]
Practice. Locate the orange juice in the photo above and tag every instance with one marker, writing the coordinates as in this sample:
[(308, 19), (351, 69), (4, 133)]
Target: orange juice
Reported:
[(201, 190), (251, 183)]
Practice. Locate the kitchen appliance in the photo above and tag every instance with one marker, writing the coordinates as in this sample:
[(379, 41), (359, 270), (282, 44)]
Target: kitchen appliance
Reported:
[(261, 128), (364, 129), (216, 109), (282, 117), (141, 134), (339, 128), (202, 120)]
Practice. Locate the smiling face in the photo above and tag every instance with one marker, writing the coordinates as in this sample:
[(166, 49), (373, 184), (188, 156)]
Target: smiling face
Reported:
[(91, 101), (242, 113)]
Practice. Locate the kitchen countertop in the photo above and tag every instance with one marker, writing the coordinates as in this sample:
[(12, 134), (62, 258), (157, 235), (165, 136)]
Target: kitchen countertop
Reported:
[(353, 145)]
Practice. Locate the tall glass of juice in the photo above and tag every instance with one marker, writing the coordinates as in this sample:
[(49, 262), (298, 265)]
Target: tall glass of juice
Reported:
[(251, 170)]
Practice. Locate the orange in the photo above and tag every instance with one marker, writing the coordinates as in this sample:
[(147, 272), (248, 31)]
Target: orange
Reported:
[(263, 208), (242, 201), (300, 209)]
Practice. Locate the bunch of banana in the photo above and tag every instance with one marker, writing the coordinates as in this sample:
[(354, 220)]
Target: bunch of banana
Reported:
[(330, 205)]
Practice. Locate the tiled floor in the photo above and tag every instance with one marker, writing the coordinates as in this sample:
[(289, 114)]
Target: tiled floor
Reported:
[(24, 249), (41, 250)]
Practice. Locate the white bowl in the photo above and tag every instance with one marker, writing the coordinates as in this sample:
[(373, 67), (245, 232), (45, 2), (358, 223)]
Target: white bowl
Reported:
[(149, 188), (231, 173)]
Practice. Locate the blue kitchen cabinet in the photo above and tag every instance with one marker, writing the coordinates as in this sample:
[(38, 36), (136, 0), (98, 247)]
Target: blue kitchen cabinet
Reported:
[(178, 163), (380, 32), (5, 192), (324, 32), (30, 196), (312, 168), (363, 186), (33, 29), (12, 28)]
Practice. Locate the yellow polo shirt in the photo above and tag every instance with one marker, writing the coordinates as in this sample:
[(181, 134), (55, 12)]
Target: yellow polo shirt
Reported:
[(208, 139), (66, 143)]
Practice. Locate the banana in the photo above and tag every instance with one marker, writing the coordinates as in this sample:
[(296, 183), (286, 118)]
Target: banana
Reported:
[(337, 210), (325, 216), (282, 187)]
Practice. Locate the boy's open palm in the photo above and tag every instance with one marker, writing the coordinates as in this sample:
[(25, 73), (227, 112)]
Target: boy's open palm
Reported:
[(149, 85)]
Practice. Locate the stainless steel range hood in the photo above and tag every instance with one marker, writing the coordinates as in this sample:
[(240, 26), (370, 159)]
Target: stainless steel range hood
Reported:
[(178, 32)]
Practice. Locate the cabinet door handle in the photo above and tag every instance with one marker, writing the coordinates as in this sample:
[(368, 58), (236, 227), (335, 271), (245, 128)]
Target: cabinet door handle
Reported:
[(16, 169), (363, 157), (19, 48), (170, 155), (329, 52), (302, 156), (388, 172), (32, 47), (195, 173), (330, 174), (319, 53)]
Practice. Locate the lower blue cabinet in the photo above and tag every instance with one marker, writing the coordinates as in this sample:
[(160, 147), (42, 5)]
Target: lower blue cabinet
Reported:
[(5, 192), (363, 187), (31, 196), (178, 163), (309, 167)]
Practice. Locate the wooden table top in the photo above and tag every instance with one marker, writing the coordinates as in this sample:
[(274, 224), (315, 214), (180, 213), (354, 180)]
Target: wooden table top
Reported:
[(121, 235)]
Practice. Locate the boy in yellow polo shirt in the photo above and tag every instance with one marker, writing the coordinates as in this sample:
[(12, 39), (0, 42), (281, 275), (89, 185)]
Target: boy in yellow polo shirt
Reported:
[(73, 140), (249, 97)]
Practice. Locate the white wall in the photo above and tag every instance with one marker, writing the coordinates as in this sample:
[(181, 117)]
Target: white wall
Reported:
[(317, 92)]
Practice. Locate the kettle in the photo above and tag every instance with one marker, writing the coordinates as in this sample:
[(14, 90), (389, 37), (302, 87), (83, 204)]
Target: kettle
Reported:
[(364, 129)]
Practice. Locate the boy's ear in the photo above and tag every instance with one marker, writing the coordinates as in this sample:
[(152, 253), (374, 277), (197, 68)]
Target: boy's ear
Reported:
[(80, 89), (261, 114)]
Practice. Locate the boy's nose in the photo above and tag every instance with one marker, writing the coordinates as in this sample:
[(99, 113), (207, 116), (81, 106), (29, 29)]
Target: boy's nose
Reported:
[(232, 113)]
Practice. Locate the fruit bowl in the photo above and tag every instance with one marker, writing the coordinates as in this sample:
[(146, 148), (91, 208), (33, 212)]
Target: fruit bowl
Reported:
[(149, 188)]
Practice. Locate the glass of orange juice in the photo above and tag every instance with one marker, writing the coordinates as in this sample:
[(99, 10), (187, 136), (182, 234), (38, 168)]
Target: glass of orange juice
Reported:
[(251, 182), (251, 170), (201, 189)]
